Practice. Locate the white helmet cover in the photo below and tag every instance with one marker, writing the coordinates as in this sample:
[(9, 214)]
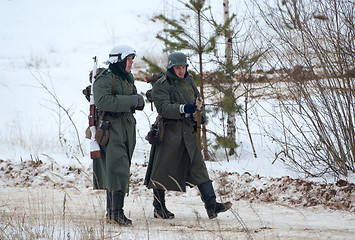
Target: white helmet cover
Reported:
[(120, 52)]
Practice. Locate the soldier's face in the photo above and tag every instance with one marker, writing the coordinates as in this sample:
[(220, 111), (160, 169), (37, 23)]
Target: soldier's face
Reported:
[(180, 70), (129, 63)]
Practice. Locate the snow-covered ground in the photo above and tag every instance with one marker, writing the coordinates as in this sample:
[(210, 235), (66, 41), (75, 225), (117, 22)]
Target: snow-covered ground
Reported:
[(45, 184), (48, 200)]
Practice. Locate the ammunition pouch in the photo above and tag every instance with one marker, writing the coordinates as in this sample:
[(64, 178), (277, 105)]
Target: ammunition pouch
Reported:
[(102, 133), (156, 133)]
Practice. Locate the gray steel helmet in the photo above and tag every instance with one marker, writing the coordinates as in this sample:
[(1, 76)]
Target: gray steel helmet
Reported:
[(176, 58)]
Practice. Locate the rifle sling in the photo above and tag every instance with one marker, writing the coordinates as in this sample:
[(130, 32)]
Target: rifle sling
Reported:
[(102, 116)]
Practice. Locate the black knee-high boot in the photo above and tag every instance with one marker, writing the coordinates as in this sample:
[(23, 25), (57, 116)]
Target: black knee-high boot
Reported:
[(108, 206), (116, 215), (160, 210), (209, 198)]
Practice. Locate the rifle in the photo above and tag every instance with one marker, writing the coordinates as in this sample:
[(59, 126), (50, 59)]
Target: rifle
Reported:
[(94, 146)]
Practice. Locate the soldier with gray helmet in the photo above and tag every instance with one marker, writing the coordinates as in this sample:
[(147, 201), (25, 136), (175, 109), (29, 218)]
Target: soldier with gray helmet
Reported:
[(177, 161), (115, 94)]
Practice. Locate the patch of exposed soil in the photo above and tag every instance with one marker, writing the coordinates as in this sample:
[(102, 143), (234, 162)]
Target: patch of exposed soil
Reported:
[(229, 185)]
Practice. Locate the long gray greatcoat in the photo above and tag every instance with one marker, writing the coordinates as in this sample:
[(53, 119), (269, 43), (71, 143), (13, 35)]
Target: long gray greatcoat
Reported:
[(112, 170), (177, 160)]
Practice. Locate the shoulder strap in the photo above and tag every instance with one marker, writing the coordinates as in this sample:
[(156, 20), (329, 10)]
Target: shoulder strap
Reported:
[(103, 114), (172, 88), (113, 83)]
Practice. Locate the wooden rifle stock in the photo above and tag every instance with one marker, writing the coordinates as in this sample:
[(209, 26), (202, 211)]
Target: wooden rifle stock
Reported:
[(94, 146), (198, 120)]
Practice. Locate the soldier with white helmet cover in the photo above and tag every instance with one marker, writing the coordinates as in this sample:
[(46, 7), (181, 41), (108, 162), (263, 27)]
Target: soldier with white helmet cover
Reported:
[(116, 95)]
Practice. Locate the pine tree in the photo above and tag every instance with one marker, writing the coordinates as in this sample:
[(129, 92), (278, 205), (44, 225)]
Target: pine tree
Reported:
[(176, 36)]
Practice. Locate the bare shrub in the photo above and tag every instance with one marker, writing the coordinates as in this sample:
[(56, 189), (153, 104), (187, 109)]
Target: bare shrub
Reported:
[(59, 109), (315, 41)]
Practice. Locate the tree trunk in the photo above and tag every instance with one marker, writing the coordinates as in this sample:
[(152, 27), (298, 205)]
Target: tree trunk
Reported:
[(231, 120), (200, 52)]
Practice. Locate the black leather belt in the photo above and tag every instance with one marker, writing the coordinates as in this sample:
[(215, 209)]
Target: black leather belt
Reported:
[(117, 114)]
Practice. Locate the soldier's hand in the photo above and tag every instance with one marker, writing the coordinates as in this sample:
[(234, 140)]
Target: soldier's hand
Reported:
[(190, 108), (87, 92), (141, 103), (134, 101), (198, 103)]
